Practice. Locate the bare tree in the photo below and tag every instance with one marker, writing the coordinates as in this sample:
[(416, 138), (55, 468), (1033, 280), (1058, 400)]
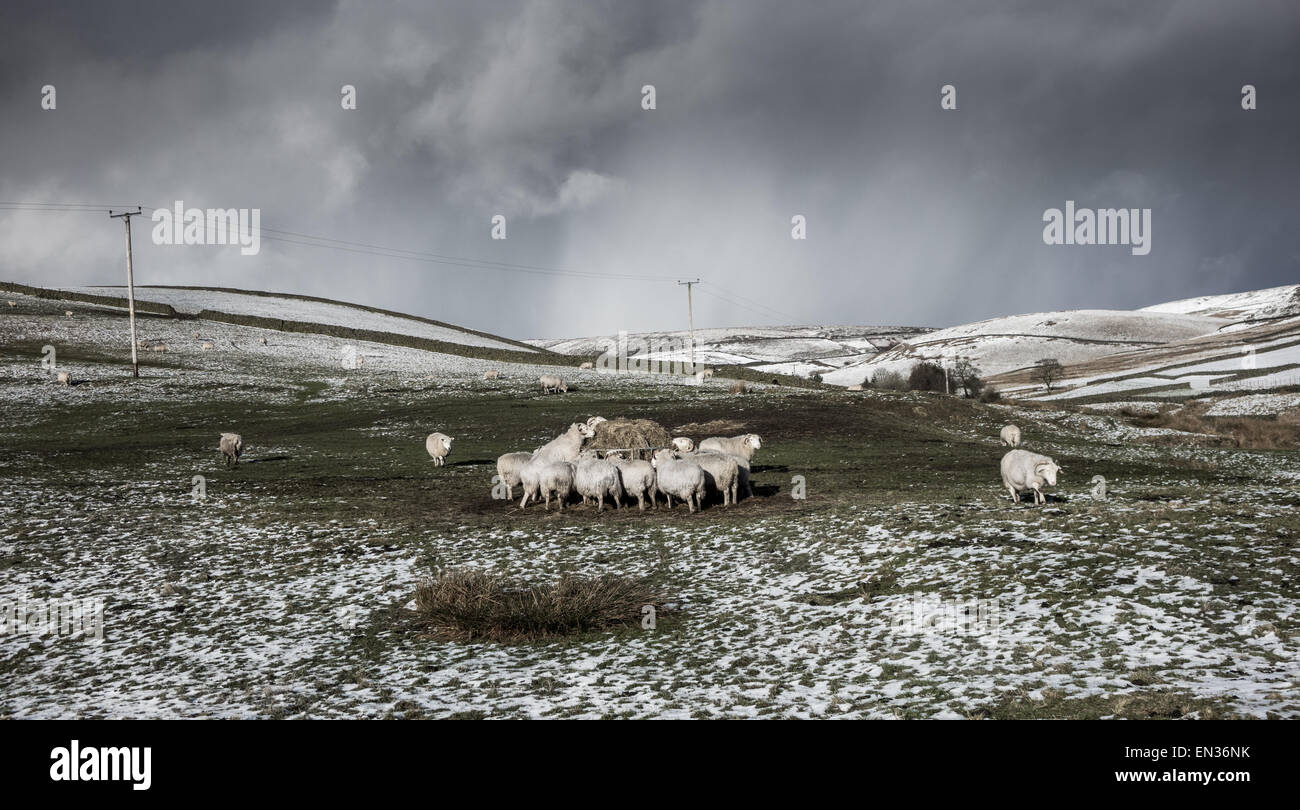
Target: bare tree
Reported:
[(1047, 371)]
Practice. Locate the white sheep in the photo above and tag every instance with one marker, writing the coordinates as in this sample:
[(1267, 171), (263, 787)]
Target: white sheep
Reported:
[(158, 347), (638, 478), (439, 447), (721, 472), (550, 382), (734, 445), (1022, 470), (262, 341), (13, 304), (587, 366), (684, 444), (857, 387), (566, 446), (232, 447), (596, 478), (208, 346), (592, 421), (1010, 436), (675, 476), (742, 465), (65, 378), (491, 374), (546, 478), (67, 312), (509, 466)]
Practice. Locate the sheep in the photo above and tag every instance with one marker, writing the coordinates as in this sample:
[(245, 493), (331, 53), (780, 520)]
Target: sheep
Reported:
[(857, 387), (675, 476), (1022, 470), (1010, 436), (232, 447), (65, 378), (742, 469), (595, 478), (491, 374), (439, 447), (196, 335), (587, 366), (683, 444), (736, 446), (12, 304), (509, 466), (208, 346), (158, 347), (550, 382), (592, 421), (708, 373), (262, 341), (721, 472), (566, 446), (543, 478), (638, 479), (67, 313)]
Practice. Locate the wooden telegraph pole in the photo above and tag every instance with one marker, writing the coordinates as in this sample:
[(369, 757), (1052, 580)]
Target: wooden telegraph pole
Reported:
[(690, 314), (130, 285)]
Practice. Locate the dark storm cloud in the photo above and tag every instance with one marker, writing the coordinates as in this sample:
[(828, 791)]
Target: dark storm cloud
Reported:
[(765, 110)]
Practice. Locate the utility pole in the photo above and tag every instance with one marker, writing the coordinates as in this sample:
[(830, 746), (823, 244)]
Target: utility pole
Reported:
[(690, 313), (130, 284)]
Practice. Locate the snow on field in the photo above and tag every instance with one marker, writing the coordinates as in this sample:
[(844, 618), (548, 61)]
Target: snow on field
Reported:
[(1255, 405), (1270, 303), (293, 309), (1001, 345)]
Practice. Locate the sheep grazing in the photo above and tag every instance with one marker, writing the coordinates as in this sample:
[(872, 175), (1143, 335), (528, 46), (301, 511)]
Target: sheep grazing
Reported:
[(721, 473), (232, 447), (208, 346), (743, 446), (638, 478), (439, 447), (551, 383), (65, 378), (566, 446), (596, 478), (683, 444), (491, 374), (1010, 436), (675, 476), (542, 479), (67, 313), (587, 366), (509, 467), (1022, 470)]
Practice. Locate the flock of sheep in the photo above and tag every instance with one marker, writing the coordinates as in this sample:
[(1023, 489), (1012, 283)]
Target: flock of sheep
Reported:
[(562, 469)]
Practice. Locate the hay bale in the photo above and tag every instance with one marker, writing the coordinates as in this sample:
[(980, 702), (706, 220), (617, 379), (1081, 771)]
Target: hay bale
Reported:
[(637, 434)]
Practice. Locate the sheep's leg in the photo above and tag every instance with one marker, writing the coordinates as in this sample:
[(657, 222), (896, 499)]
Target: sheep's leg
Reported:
[(669, 496), (601, 501)]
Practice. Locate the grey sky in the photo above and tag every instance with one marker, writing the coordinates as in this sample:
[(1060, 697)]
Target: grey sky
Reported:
[(765, 110)]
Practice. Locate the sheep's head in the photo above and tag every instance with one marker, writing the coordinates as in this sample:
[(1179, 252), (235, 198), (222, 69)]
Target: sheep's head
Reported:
[(753, 441), (1047, 470), (662, 455), (684, 443), (596, 420), (564, 387), (449, 440)]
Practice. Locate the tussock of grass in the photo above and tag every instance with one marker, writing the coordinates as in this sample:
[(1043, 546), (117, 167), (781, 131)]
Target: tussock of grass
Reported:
[(470, 605)]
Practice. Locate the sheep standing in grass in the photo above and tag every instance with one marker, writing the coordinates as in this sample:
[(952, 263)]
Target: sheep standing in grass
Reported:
[(491, 374), (158, 347), (509, 467), (1010, 436), (262, 341), (232, 447), (439, 447), (596, 478), (542, 479), (208, 346), (679, 477), (743, 446), (65, 378), (587, 366), (550, 382), (566, 446), (683, 444), (1022, 470), (13, 304), (67, 313), (721, 473), (638, 478)]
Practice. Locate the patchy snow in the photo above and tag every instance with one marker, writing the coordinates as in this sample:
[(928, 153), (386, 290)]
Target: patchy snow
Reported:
[(1255, 304)]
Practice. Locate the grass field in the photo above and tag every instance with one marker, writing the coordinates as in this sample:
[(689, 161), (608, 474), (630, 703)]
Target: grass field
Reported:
[(285, 591)]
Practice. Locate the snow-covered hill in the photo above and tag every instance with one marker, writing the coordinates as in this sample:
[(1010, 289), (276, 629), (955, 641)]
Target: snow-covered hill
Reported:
[(797, 350), (1275, 302), (1002, 345)]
